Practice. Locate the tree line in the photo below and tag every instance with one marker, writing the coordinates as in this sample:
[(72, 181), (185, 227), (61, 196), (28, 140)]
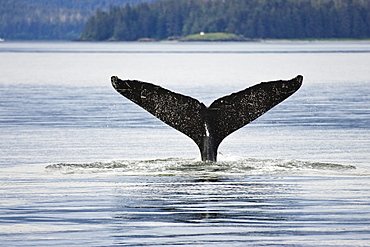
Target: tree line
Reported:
[(49, 19), (255, 19)]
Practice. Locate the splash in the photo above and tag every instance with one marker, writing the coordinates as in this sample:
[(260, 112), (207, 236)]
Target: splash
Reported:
[(193, 167)]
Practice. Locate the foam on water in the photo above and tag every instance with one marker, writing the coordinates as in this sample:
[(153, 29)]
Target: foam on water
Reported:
[(227, 166)]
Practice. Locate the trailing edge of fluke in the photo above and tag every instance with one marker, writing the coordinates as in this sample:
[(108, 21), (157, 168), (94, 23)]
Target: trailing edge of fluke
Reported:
[(207, 126)]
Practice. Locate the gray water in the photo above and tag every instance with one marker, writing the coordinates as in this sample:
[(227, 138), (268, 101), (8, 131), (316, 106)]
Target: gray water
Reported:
[(82, 166)]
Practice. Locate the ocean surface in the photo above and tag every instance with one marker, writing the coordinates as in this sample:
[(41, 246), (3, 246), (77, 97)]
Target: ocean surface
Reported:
[(80, 165)]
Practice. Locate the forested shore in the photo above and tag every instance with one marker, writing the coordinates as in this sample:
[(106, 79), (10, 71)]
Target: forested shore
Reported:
[(176, 19), (252, 19)]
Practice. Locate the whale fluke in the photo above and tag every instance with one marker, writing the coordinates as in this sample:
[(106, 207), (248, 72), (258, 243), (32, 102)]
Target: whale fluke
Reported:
[(207, 126)]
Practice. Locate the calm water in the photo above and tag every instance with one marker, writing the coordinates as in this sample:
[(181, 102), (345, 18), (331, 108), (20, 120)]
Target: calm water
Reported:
[(82, 166)]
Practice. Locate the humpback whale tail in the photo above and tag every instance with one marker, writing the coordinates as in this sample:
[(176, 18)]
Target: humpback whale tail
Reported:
[(207, 126)]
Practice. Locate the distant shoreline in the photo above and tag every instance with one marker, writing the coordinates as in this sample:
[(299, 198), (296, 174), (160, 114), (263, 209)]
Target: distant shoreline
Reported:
[(145, 40), (217, 37), (207, 41)]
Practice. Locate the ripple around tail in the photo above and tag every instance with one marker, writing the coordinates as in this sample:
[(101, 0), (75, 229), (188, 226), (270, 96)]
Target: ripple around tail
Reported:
[(189, 167)]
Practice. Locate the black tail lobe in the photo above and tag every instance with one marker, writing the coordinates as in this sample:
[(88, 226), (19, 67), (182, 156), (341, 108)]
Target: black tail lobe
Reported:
[(207, 126)]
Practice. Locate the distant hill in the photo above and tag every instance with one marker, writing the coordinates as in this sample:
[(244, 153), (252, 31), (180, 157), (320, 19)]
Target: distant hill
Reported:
[(251, 19), (50, 19)]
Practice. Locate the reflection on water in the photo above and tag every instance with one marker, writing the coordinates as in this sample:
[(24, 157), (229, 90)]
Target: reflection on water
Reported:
[(256, 210), (193, 212), (185, 202), (232, 202)]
